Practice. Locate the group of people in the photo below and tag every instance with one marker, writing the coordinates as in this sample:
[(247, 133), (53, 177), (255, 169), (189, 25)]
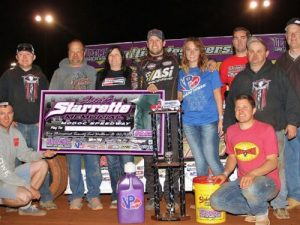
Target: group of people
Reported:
[(261, 121)]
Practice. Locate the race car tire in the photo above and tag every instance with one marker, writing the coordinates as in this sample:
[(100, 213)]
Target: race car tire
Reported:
[(59, 175)]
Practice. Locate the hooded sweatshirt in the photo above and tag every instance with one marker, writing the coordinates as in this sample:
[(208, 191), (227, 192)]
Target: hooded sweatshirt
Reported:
[(276, 100), (12, 146), (73, 78), (23, 90)]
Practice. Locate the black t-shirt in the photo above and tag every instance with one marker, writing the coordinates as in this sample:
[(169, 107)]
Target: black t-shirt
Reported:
[(114, 80)]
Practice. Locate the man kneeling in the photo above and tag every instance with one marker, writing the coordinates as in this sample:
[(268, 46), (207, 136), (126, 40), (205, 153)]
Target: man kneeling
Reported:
[(251, 145), (19, 185)]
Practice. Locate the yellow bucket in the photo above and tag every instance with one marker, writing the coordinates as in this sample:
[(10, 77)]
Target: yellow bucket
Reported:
[(204, 188)]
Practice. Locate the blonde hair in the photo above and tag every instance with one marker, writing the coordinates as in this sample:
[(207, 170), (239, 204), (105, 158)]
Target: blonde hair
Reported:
[(202, 61)]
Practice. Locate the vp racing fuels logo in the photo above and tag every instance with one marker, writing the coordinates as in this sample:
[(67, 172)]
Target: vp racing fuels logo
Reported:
[(190, 82), (131, 202), (246, 151)]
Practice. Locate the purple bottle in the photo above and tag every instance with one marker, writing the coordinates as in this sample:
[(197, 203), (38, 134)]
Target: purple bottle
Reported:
[(130, 191)]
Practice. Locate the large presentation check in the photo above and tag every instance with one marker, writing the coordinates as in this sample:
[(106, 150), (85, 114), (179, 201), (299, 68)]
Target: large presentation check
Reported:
[(99, 122)]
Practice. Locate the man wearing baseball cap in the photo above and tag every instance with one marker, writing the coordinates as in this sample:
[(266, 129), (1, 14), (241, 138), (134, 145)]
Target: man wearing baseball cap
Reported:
[(290, 61), (21, 86), (158, 71)]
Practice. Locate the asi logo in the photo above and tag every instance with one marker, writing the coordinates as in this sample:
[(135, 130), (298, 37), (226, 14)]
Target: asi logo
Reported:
[(131, 202), (190, 82)]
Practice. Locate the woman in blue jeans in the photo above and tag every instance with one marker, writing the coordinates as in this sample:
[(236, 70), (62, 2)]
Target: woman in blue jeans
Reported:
[(200, 92), (115, 76)]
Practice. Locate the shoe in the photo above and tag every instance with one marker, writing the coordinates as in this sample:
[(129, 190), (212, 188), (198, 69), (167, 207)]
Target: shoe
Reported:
[(250, 219), (150, 205), (95, 204), (266, 221), (293, 204), (11, 209), (32, 211), (49, 205), (76, 204), (281, 214), (113, 204)]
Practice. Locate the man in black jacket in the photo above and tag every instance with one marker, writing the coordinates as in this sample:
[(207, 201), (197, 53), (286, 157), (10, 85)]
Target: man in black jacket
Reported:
[(290, 62), (276, 104)]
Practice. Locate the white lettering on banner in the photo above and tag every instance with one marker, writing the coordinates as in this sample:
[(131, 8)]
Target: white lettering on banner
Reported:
[(221, 49), (70, 107)]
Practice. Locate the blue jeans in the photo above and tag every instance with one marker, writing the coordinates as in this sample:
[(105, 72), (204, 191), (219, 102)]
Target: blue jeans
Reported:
[(30, 133), (251, 201), (204, 143), (281, 200), (116, 170), (93, 175), (292, 166)]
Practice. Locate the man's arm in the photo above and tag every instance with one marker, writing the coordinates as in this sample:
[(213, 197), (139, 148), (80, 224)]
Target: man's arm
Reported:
[(292, 104), (229, 168), (229, 114), (9, 177), (4, 88), (270, 164)]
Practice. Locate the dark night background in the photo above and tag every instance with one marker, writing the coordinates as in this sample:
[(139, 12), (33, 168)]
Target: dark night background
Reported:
[(112, 21)]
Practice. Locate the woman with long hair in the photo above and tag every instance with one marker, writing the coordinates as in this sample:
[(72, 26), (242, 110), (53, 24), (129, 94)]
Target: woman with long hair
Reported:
[(115, 76), (200, 92)]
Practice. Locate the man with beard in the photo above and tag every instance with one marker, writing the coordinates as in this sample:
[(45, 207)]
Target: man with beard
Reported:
[(159, 71)]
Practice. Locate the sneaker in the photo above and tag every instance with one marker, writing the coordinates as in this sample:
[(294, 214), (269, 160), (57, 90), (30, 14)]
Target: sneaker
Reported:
[(32, 211), (49, 205), (76, 204), (281, 214), (113, 204), (150, 205), (265, 221), (95, 204), (11, 209), (250, 219), (293, 204)]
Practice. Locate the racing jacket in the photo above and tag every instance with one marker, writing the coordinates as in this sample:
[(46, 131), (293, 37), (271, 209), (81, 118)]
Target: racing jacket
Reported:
[(161, 71)]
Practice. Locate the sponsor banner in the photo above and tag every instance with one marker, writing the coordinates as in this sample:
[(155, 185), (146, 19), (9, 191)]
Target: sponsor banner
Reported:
[(98, 122), (218, 48)]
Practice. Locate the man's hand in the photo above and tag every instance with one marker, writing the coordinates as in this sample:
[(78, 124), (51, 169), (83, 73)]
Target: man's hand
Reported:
[(247, 181), (220, 179), (291, 131), (35, 193), (212, 65), (152, 88), (49, 153)]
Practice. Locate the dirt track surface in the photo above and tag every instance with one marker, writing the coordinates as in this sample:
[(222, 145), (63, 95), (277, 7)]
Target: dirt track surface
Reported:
[(64, 216)]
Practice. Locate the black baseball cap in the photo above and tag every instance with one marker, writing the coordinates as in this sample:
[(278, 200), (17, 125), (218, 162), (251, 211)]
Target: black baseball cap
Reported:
[(25, 47), (295, 21)]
